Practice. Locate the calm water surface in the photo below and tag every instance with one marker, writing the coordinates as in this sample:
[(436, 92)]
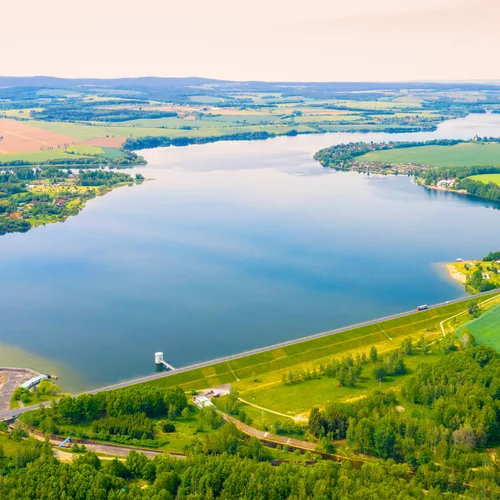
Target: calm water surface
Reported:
[(234, 245)]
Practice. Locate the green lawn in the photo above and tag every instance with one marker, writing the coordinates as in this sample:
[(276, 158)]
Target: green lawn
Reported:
[(301, 397), (486, 328), (10, 447), (78, 151), (36, 156), (486, 178), (460, 155)]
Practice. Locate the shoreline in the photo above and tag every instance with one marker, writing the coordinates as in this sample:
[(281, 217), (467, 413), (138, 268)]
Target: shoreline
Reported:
[(455, 274)]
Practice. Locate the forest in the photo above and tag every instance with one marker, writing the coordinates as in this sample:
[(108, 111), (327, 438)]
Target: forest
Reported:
[(71, 110), (122, 416), (441, 446), (148, 142)]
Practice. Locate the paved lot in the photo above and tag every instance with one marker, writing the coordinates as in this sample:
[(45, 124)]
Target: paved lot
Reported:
[(10, 379)]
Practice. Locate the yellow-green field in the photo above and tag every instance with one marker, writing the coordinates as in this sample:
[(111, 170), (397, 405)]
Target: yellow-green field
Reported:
[(486, 178), (460, 155), (85, 150)]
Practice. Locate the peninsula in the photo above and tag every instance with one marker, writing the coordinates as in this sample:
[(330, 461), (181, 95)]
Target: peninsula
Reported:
[(466, 167), (31, 197)]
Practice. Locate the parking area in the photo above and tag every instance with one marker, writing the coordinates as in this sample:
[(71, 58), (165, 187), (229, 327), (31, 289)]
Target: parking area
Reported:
[(10, 379)]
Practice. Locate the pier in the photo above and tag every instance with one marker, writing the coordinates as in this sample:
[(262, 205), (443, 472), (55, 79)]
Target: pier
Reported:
[(160, 361)]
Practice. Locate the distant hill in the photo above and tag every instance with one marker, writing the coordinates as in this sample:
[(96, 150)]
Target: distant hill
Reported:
[(193, 84)]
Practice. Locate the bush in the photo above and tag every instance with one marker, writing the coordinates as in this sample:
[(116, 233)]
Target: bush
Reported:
[(168, 427)]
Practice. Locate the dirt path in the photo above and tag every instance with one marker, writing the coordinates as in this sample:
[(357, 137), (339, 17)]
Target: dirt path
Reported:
[(266, 409)]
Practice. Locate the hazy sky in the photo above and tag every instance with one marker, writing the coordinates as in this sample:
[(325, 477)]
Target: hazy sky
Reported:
[(311, 40)]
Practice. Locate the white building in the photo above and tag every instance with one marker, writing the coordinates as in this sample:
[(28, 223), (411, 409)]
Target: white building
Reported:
[(202, 401)]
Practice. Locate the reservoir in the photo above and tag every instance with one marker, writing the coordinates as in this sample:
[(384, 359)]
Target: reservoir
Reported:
[(232, 246)]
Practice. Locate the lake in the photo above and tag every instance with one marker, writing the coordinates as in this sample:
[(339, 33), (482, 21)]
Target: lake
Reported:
[(232, 246)]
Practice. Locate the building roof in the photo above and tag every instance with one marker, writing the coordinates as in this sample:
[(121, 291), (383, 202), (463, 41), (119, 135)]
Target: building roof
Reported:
[(33, 381)]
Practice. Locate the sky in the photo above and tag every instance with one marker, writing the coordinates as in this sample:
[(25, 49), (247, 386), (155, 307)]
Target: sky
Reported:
[(273, 40)]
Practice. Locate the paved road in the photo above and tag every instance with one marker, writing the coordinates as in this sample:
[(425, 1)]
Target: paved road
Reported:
[(6, 415)]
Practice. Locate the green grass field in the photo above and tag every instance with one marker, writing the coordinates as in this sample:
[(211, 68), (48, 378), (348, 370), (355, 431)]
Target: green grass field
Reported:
[(486, 178), (85, 150), (486, 328), (460, 155), (37, 156), (86, 132), (73, 152), (301, 397)]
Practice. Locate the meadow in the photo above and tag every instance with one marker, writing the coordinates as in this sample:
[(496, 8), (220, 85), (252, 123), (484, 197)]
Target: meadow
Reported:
[(460, 155), (486, 328), (72, 154), (486, 178)]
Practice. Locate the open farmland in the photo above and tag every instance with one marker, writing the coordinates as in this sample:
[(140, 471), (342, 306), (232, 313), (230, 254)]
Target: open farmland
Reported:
[(486, 178), (19, 137), (486, 328), (460, 155)]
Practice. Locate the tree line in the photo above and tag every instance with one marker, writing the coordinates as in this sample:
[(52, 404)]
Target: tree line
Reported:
[(150, 142), (122, 415)]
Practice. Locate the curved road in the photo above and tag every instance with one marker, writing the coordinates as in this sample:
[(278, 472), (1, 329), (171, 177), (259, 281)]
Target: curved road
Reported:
[(10, 414)]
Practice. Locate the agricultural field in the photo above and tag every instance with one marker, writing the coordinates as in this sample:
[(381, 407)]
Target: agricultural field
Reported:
[(42, 120), (486, 178), (460, 155), (486, 328), (21, 137)]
